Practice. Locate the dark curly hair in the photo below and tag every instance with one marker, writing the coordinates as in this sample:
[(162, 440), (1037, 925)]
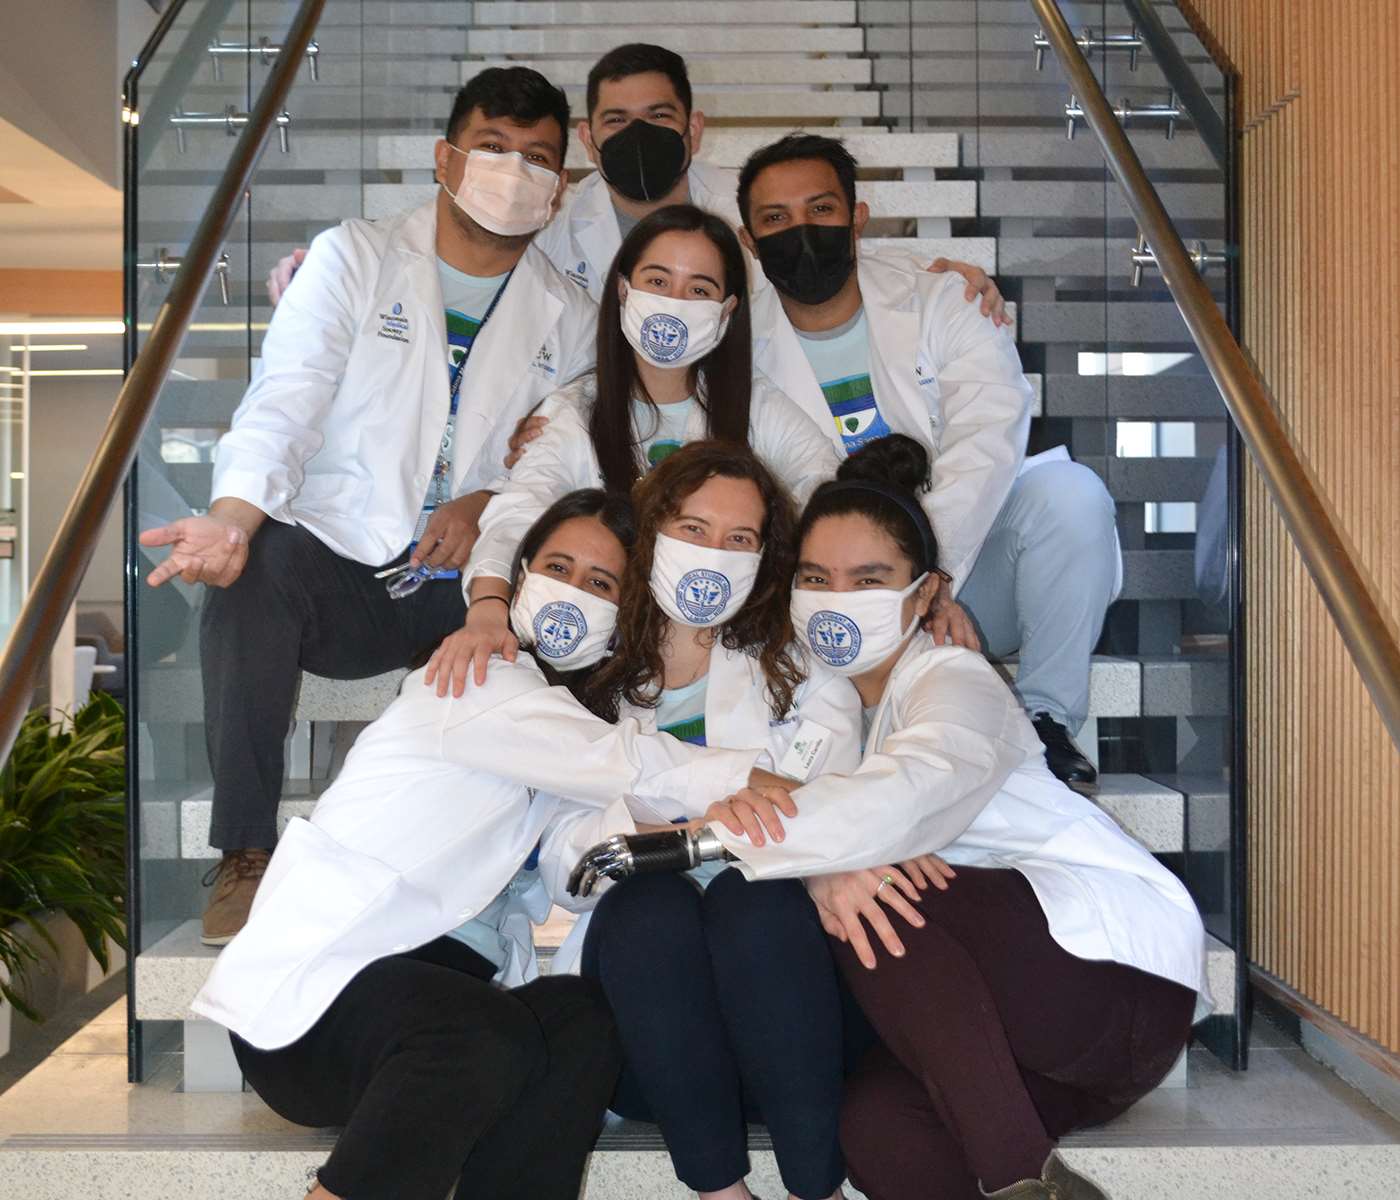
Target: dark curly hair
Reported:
[(762, 628)]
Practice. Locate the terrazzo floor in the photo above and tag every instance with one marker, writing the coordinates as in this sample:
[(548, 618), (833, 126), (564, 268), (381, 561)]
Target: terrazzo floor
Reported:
[(1286, 1128)]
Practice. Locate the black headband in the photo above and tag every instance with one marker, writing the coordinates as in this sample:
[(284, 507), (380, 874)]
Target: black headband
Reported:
[(912, 509)]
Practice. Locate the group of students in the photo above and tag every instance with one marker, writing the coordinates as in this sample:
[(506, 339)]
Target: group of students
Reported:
[(678, 573)]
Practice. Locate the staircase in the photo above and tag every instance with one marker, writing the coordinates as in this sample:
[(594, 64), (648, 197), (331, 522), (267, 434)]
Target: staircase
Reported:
[(963, 151)]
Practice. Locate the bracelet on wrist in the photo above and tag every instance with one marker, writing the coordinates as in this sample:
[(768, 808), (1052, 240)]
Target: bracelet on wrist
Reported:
[(480, 599)]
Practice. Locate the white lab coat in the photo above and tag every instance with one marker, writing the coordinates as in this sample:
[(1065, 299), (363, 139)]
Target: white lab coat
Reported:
[(584, 237), (430, 819), (737, 716), (340, 430), (562, 459), (942, 373), (953, 766)]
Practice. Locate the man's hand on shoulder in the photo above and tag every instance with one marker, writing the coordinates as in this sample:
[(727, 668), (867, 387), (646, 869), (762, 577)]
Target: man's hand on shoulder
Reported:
[(979, 283), (281, 275)]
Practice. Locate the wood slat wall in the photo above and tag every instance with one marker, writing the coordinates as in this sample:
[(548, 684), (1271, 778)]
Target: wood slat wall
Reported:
[(1321, 291)]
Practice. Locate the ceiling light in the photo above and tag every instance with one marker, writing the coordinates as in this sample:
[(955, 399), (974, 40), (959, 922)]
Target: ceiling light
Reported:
[(87, 371), (59, 328), (56, 346)]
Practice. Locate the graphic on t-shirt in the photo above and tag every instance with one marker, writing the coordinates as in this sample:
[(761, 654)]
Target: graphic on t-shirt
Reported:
[(658, 451), (692, 730), (461, 333), (857, 416)]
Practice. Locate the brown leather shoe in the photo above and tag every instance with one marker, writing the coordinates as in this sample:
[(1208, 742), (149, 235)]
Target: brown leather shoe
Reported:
[(235, 881), (1058, 1181)]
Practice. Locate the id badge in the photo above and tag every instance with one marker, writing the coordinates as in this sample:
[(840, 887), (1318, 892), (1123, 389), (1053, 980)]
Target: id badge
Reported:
[(804, 751)]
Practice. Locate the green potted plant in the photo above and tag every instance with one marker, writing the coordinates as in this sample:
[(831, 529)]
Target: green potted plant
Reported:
[(62, 839)]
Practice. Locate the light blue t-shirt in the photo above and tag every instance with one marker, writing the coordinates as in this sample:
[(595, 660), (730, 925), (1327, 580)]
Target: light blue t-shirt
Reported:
[(661, 432), (681, 713), (840, 359), (483, 932), (467, 299)]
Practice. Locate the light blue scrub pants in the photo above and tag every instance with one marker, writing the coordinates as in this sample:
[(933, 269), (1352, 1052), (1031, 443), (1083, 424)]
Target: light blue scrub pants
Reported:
[(1043, 582)]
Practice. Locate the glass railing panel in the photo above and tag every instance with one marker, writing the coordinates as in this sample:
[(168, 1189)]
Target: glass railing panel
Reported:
[(1120, 383)]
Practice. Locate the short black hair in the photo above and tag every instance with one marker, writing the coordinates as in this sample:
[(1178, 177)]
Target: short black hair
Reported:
[(793, 148), (522, 94), (639, 58)]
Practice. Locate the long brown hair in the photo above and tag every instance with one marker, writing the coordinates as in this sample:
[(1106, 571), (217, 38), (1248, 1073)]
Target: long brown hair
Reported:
[(722, 381), (762, 628)]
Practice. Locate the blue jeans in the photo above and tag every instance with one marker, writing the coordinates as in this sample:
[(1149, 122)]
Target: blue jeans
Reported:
[(729, 1010)]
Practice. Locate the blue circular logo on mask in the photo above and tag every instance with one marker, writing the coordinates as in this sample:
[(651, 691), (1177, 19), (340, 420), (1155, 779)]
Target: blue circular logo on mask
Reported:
[(664, 337), (834, 637), (559, 627), (702, 595)]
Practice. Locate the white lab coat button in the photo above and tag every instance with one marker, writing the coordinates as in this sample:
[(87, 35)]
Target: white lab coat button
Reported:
[(402, 948), (466, 914)]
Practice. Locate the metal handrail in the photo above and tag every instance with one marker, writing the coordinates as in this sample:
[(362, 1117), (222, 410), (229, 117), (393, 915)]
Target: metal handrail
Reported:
[(56, 585), (1344, 590)]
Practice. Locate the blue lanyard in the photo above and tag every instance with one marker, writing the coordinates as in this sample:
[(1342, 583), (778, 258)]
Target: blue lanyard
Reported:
[(456, 384)]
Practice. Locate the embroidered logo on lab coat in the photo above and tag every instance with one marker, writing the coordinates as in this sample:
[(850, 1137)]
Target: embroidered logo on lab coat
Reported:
[(579, 274), (544, 361), (393, 325)]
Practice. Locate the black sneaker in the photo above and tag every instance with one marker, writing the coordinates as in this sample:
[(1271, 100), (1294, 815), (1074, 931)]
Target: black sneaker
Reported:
[(1065, 760)]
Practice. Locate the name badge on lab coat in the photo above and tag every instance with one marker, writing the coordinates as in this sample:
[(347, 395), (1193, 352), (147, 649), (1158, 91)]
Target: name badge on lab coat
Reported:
[(805, 750)]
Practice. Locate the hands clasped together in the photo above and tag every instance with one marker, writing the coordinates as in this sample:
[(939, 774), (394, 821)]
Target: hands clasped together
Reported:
[(846, 902)]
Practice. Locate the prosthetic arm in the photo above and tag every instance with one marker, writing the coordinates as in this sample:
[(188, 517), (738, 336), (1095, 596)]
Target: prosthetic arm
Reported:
[(622, 856)]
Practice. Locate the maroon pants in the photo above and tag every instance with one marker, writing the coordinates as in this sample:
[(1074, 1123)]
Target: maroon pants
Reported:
[(995, 1042)]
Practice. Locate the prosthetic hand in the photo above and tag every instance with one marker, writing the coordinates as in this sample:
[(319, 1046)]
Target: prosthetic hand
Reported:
[(641, 853)]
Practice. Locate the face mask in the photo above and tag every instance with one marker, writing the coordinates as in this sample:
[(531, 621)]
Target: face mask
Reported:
[(671, 333), (643, 161), (699, 586), (504, 193), (809, 263), (568, 627), (852, 632)]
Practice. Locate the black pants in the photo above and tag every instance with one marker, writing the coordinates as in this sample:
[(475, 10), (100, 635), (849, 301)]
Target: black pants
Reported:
[(996, 1041), (297, 606), (728, 1008), (439, 1077)]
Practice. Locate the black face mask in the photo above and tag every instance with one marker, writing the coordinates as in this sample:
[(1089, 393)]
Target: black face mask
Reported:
[(809, 263), (643, 161)]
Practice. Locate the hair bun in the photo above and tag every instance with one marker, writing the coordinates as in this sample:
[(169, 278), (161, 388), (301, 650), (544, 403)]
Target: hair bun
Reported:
[(894, 459)]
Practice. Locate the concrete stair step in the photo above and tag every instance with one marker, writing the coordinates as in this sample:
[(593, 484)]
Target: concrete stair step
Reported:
[(1148, 479), (709, 72), (768, 38), (173, 695), (887, 198), (1150, 811), (516, 13), (1128, 397), (169, 974), (731, 147)]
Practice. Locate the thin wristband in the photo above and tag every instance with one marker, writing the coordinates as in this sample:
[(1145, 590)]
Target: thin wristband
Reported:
[(480, 599)]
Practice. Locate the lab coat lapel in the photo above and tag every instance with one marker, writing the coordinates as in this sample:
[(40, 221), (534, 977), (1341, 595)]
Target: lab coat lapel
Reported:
[(525, 314), (409, 279), (779, 355), (735, 703), (892, 317), (593, 224)]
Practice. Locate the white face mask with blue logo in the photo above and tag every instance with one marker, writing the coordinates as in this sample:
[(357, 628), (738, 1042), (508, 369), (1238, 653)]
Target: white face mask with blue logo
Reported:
[(671, 333), (853, 632), (700, 586), (566, 626)]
